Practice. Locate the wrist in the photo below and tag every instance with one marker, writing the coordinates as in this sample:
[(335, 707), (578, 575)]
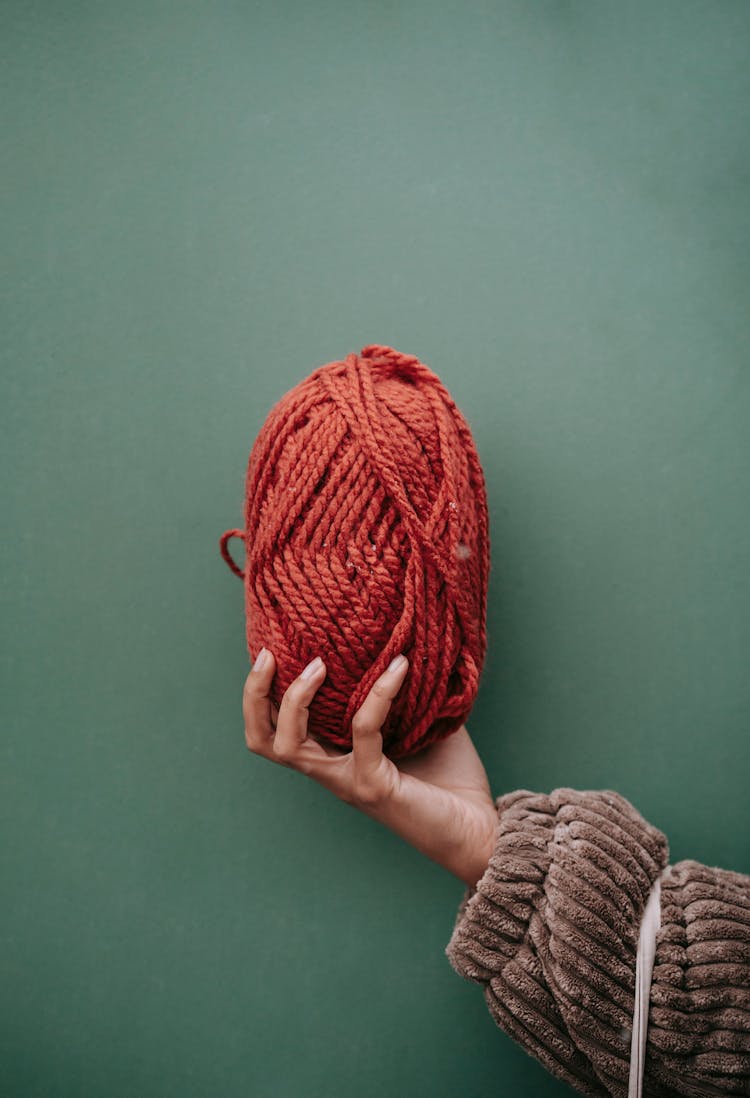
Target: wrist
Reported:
[(457, 833)]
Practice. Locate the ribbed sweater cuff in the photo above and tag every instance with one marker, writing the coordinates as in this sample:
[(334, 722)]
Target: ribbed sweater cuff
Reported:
[(551, 928)]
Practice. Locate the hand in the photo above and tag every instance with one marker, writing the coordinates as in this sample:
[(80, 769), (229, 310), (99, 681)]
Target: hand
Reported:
[(438, 800)]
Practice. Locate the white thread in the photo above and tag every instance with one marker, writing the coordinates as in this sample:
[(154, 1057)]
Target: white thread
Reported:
[(644, 967)]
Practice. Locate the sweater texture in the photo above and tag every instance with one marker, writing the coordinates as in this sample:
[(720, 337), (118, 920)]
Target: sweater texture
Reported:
[(551, 930)]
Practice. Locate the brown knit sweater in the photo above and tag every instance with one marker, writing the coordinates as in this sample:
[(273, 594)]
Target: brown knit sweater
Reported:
[(551, 933)]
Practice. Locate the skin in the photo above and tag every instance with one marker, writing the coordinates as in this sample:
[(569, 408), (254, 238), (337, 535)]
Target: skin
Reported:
[(439, 800)]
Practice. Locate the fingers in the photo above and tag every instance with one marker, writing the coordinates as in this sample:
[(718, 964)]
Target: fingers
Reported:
[(363, 776), (291, 727), (280, 735), (372, 771), (256, 703)]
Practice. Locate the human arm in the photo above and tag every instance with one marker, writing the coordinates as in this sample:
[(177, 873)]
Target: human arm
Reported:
[(555, 888)]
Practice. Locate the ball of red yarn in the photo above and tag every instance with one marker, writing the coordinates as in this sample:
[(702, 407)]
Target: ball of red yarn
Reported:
[(366, 535)]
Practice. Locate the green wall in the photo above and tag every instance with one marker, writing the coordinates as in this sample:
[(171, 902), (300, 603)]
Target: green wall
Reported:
[(548, 203)]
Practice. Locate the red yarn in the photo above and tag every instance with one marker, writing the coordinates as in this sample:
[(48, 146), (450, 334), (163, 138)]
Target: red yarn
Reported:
[(366, 534)]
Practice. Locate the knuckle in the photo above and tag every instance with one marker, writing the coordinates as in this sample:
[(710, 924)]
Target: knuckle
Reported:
[(252, 743), (284, 752), (380, 690), (368, 792), (295, 693), (360, 723)]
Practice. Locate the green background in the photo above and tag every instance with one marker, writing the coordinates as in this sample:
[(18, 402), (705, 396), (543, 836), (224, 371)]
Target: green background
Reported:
[(548, 203)]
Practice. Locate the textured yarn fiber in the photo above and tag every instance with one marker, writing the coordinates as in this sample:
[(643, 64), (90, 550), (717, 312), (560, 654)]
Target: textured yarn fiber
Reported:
[(366, 535)]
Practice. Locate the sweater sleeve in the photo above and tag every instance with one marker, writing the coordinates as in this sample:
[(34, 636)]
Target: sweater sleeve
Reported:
[(550, 932)]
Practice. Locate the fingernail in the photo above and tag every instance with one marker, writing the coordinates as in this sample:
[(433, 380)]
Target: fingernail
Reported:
[(311, 668), (397, 663), (262, 660)]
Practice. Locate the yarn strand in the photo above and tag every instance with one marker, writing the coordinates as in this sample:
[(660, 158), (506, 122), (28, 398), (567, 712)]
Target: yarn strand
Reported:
[(366, 535)]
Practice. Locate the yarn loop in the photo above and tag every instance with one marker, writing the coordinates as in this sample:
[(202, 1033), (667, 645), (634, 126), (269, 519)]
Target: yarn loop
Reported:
[(224, 545)]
